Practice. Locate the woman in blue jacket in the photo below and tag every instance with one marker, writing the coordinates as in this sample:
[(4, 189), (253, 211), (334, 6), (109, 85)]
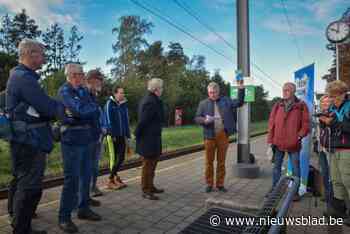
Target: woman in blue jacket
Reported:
[(118, 128)]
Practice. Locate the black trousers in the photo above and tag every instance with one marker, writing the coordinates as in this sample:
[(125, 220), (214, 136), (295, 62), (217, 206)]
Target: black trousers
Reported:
[(119, 153), (25, 190)]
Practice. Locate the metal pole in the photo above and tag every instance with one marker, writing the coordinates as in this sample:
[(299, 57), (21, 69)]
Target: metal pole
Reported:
[(337, 60), (244, 66), (244, 168)]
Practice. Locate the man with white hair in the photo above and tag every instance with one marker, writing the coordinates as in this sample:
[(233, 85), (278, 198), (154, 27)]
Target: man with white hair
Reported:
[(288, 124), (30, 111), (217, 115), (77, 145), (148, 134)]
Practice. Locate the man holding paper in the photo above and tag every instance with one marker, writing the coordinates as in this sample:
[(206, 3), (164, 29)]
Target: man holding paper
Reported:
[(218, 117)]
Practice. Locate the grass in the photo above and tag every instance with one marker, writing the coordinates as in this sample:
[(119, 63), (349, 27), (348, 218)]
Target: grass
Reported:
[(173, 138)]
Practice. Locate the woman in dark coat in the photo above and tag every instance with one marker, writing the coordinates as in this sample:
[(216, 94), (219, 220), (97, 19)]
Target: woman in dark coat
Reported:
[(148, 134)]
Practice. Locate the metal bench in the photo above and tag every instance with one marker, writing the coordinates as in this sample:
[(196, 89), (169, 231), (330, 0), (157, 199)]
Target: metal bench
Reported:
[(276, 205)]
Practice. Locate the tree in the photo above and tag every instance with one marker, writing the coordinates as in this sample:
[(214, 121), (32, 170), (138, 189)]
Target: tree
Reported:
[(176, 56), (224, 86), (152, 62), (7, 62), (23, 27), (55, 48), (260, 109), (53, 82), (73, 45), (129, 42), (5, 37)]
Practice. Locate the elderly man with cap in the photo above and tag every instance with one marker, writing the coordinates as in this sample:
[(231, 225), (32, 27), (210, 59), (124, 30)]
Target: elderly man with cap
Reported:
[(30, 111), (288, 124), (94, 82), (77, 144)]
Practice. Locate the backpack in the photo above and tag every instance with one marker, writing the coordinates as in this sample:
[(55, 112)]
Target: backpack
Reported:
[(5, 123)]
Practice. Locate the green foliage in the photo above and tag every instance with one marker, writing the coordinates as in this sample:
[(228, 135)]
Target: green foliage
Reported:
[(55, 48), (53, 82), (23, 27), (6, 63), (130, 40), (260, 108), (73, 45)]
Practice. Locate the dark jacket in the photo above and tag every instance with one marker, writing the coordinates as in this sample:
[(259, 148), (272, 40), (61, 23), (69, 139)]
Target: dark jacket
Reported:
[(117, 118), (78, 130), (285, 130), (337, 134), (148, 131), (27, 103), (228, 111)]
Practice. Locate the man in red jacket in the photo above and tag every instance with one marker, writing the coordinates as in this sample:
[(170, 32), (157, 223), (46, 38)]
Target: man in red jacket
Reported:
[(288, 124)]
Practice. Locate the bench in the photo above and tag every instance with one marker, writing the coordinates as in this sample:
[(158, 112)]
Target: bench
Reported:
[(275, 205)]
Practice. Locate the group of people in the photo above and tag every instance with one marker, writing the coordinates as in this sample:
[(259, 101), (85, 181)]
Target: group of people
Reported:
[(83, 124), (289, 123)]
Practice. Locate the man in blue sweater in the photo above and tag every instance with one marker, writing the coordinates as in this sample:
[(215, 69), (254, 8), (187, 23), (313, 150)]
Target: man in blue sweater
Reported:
[(118, 127), (30, 111), (77, 144)]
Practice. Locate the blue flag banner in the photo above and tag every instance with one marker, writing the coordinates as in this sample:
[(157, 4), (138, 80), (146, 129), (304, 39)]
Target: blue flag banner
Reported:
[(304, 80)]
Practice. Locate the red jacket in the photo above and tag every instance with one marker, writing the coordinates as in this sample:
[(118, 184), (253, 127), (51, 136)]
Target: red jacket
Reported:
[(286, 129)]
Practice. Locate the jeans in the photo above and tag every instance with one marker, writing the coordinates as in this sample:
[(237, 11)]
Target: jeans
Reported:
[(77, 162), (28, 167), (95, 161), (278, 161), (325, 175)]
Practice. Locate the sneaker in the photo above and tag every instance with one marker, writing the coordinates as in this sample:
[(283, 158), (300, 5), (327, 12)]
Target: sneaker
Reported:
[(222, 189), (119, 182), (96, 192), (209, 189), (95, 203), (89, 215), (111, 185), (68, 227), (150, 196)]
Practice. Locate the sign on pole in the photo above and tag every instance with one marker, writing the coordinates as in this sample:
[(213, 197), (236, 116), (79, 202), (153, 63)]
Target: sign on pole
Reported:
[(304, 80)]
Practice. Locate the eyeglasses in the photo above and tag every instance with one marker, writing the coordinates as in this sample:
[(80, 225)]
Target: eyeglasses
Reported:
[(78, 73)]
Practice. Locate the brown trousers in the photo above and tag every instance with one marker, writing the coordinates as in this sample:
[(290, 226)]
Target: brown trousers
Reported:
[(217, 146), (148, 172)]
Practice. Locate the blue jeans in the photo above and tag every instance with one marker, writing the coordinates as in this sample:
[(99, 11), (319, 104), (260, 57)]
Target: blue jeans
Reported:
[(325, 175), (278, 161), (77, 174), (95, 161)]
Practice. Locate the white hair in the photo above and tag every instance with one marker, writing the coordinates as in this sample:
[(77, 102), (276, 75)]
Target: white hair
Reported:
[(72, 67), (213, 85), (154, 84), (290, 84), (28, 46)]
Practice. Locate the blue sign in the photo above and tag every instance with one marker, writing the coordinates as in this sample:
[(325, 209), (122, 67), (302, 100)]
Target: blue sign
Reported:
[(239, 75), (304, 80)]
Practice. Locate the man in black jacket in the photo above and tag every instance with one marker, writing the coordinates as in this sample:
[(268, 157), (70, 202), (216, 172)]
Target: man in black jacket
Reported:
[(149, 136)]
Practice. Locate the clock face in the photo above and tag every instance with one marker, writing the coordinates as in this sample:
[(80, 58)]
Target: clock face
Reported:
[(337, 31)]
